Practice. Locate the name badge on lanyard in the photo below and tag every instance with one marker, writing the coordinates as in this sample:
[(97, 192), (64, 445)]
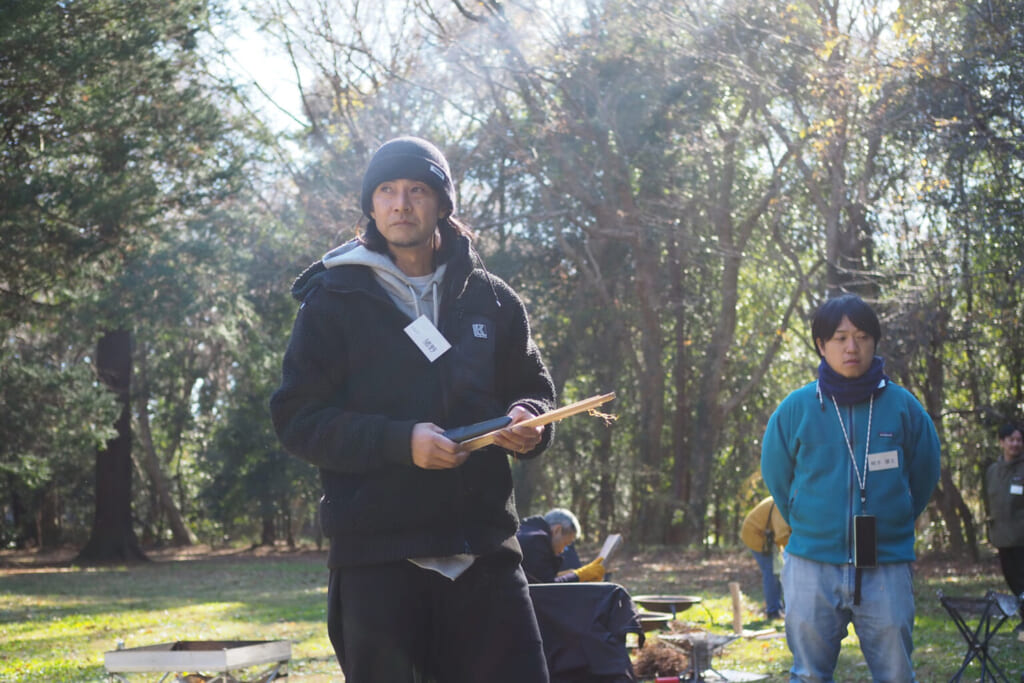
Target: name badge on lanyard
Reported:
[(885, 460), (427, 338)]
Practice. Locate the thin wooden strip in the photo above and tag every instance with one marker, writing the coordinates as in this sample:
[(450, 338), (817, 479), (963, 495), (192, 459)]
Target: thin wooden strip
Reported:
[(545, 418)]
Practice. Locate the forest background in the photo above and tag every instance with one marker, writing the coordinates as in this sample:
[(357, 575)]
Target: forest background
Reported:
[(673, 186)]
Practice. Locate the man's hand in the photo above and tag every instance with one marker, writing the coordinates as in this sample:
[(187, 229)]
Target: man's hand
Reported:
[(591, 572), (432, 451), (519, 439)]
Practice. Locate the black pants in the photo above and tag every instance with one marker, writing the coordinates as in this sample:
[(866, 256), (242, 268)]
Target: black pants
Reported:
[(1012, 562), (401, 623)]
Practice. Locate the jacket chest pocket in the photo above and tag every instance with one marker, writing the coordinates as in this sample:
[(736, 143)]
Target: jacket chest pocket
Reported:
[(473, 366)]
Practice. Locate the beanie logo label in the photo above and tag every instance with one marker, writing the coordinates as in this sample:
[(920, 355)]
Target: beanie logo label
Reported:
[(436, 171), (479, 330)]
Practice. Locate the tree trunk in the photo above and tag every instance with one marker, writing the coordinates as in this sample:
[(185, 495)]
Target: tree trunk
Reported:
[(526, 478), (113, 538), (268, 533), (605, 482), (23, 529), (681, 377), (947, 495), (180, 533), (650, 520), (48, 518), (957, 517), (289, 527), (709, 409), (944, 500)]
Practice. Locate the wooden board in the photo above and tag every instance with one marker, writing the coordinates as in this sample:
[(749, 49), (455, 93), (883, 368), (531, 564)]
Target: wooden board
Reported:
[(546, 418)]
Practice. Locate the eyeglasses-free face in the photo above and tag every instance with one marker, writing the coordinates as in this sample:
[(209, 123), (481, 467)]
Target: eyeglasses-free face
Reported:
[(849, 350)]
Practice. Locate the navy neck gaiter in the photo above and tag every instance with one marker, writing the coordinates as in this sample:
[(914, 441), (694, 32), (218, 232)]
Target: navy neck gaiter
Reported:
[(850, 391)]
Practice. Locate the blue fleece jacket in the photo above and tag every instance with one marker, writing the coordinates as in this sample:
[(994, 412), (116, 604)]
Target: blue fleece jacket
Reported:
[(807, 467)]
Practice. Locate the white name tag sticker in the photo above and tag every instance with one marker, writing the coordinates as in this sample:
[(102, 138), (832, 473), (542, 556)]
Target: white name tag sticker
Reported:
[(886, 460), (1016, 489), (427, 337)]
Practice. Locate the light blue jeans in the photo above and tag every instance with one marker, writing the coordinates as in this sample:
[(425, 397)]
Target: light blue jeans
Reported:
[(819, 608), (769, 582)]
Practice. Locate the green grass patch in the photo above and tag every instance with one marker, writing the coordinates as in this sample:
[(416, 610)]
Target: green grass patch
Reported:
[(56, 622)]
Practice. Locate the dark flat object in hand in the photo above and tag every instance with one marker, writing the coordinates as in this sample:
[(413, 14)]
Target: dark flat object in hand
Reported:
[(460, 434)]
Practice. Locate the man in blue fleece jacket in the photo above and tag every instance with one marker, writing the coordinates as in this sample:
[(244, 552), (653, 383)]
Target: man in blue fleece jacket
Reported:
[(851, 460)]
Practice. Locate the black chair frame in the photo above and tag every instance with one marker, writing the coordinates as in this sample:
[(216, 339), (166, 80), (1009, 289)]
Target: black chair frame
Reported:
[(992, 611)]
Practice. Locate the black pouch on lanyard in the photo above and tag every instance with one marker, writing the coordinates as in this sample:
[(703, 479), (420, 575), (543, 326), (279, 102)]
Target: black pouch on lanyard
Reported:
[(865, 541)]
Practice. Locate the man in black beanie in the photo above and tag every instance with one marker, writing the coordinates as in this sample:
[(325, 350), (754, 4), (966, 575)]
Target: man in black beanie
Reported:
[(402, 335)]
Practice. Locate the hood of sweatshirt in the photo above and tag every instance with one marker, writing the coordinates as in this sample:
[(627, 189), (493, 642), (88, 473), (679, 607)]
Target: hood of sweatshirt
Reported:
[(414, 296)]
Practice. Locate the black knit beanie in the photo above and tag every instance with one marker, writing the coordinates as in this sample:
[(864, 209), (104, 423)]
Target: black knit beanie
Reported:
[(413, 159)]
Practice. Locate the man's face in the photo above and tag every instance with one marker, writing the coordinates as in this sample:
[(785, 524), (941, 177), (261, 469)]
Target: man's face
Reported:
[(406, 212), (850, 350), (560, 538), (1012, 445)]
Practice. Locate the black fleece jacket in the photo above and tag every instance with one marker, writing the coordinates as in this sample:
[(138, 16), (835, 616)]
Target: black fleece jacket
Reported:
[(354, 385)]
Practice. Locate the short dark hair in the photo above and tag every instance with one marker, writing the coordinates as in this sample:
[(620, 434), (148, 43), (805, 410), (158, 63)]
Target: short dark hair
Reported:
[(1007, 429), (830, 314)]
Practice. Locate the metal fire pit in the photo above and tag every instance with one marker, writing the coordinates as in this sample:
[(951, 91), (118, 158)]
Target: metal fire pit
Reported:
[(216, 656)]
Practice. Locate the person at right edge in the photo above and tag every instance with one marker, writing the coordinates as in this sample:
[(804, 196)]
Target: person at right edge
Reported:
[(1004, 503), (851, 460)]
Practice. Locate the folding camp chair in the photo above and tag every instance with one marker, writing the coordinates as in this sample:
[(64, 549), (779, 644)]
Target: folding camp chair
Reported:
[(992, 611)]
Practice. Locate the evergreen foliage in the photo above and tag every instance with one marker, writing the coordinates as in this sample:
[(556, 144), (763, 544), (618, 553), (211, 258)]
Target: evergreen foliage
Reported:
[(672, 186)]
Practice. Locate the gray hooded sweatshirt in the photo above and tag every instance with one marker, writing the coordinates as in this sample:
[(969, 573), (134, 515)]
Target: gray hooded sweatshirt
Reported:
[(414, 296)]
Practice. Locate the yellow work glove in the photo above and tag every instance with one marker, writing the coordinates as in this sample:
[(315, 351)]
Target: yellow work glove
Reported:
[(591, 572)]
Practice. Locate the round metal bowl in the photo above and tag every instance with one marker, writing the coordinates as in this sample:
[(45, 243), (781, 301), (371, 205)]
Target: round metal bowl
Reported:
[(667, 603), (652, 621)]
